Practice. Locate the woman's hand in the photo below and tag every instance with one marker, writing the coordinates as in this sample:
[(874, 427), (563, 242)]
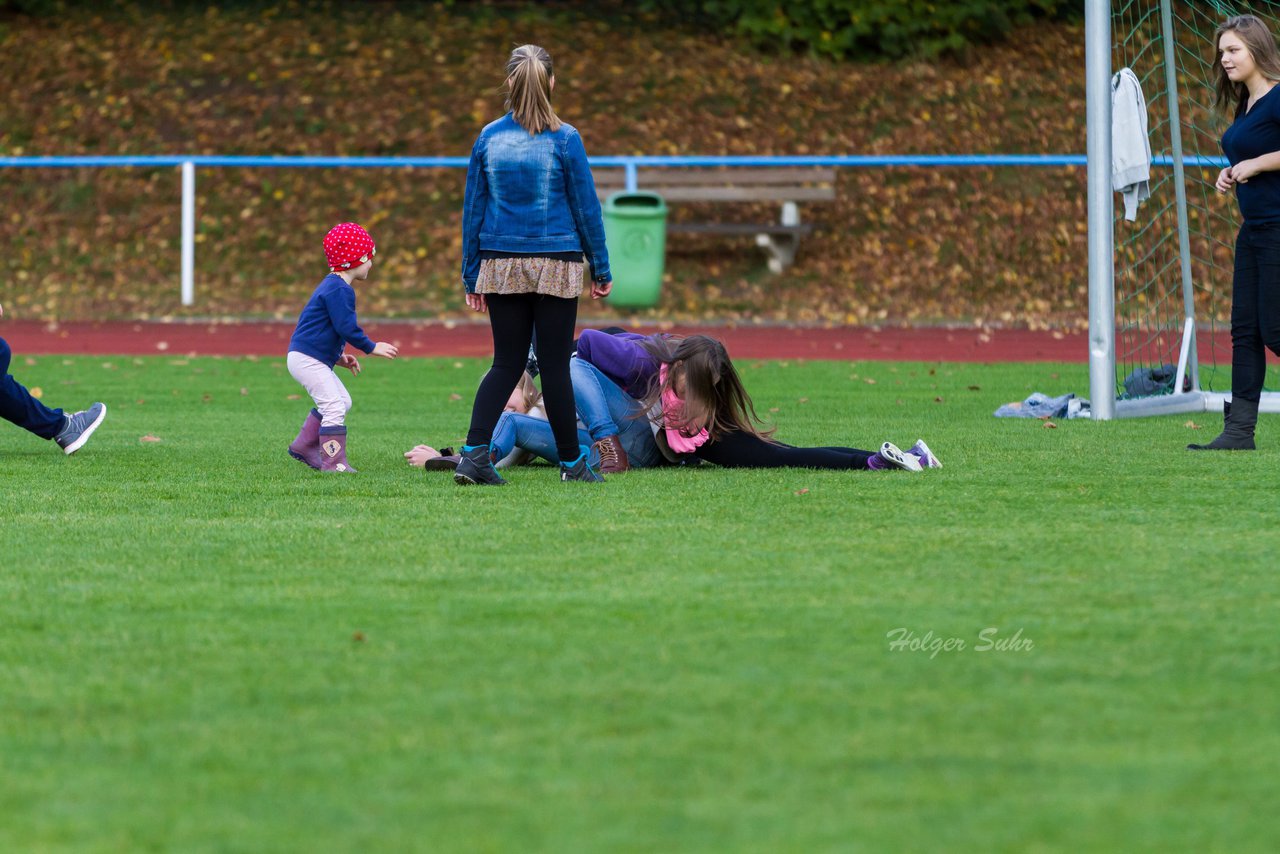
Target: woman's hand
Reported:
[(476, 302), (1225, 182), (419, 455), (601, 289), (1244, 170), (350, 362)]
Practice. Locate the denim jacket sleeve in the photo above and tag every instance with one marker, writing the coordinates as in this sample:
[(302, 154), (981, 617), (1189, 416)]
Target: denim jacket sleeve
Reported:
[(581, 187), (473, 205)]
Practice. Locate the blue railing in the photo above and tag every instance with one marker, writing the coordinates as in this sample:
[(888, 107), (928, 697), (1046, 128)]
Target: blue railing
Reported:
[(629, 164)]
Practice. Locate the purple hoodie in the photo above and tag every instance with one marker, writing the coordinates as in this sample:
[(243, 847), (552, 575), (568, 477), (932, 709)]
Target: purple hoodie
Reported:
[(620, 358)]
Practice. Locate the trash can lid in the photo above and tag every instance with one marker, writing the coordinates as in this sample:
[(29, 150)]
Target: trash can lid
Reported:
[(638, 203)]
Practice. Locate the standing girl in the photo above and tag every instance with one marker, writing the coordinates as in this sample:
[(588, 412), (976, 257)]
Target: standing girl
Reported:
[(529, 216), (1247, 73)]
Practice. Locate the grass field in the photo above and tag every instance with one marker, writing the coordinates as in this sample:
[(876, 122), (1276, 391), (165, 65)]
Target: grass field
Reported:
[(206, 646)]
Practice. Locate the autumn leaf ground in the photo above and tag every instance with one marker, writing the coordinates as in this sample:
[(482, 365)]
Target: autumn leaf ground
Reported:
[(206, 646), (1003, 246)]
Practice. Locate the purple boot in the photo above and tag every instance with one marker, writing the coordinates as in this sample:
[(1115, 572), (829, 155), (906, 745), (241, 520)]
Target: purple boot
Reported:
[(333, 449), (306, 448)]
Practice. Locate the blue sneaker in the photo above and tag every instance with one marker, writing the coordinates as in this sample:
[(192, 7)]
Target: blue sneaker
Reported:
[(80, 427), (926, 457)]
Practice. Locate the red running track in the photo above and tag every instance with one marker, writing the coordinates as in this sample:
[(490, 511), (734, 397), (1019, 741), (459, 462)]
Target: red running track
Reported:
[(925, 344)]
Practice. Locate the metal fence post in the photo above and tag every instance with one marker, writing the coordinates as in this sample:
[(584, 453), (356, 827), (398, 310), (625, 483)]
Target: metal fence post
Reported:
[(188, 233)]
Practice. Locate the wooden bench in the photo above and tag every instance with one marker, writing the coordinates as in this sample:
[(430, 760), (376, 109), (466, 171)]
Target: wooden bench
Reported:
[(788, 186)]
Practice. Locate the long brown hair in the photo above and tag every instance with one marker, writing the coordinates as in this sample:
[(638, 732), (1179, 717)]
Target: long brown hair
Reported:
[(1261, 46), (529, 89), (713, 390)]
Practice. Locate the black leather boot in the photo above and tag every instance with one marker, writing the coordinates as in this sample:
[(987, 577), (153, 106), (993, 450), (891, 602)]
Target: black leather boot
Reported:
[(1237, 428)]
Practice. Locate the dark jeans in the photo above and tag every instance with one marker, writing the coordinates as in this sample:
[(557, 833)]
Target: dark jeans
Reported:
[(742, 450), (513, 319), (17, 404), (1255, 307)]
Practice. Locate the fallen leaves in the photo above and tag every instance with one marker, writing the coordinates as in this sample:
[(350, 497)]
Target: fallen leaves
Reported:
[(896, 245), (149, 439)]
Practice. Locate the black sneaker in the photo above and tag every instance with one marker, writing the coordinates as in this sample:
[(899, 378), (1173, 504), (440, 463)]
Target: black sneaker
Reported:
[(580, 470), (80, 427), (475, 468)]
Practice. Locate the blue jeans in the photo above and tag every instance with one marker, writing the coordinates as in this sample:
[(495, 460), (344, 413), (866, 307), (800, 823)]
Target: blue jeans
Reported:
[(607, 410), (17, 404), (533, 435)]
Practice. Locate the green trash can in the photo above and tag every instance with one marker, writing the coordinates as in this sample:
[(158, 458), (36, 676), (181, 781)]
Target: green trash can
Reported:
[(635, 230)]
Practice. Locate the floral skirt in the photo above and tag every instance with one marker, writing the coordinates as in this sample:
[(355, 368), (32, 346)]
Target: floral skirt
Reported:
[(530, 275)]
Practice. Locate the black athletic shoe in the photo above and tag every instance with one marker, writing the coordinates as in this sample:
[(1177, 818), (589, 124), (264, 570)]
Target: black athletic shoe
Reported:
[(580, 470), (475, 468)]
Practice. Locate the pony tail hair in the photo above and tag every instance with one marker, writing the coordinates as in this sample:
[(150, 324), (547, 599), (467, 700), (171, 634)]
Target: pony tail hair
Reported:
[(529, 76)]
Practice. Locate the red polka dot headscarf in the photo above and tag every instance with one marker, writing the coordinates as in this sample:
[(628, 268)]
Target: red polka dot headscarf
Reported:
[(348, 245)]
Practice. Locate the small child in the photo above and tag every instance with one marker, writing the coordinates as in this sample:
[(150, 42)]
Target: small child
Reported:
[(327, 323), (20, 407)]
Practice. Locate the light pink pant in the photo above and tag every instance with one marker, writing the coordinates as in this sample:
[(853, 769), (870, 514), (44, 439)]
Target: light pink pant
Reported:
[(323, 385)]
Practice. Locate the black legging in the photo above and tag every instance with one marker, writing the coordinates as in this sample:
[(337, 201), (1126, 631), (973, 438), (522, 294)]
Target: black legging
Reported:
[(1255, 307), (743, 450), (513, 319)]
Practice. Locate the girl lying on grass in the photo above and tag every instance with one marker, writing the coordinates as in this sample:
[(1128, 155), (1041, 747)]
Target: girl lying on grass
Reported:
[(699, 408)]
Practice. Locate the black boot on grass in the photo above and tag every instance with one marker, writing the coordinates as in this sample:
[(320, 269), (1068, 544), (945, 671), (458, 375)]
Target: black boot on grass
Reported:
[(1241, 417)]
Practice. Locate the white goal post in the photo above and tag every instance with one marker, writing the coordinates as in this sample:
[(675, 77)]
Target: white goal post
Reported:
[(1152, 21)]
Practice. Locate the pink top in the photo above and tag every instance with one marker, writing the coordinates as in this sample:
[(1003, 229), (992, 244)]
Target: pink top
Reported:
[(672, 407)]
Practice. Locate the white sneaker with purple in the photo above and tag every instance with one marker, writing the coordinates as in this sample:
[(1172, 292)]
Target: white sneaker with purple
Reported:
[(921, 451), (891, 457)]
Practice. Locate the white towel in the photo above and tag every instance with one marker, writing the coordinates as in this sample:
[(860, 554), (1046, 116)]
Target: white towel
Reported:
[(1130, 148)]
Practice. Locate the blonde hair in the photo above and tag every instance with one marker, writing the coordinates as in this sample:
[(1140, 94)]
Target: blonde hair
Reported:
[(529, 391), (529, 89), (1261, 46)]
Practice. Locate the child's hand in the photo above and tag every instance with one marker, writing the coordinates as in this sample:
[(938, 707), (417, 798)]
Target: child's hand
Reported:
[(385, 350), (1, 311), (601, 289), (476, 302), (350, 362)]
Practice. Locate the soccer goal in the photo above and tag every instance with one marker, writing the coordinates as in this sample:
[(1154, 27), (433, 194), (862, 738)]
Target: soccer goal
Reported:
[(1160, 286)]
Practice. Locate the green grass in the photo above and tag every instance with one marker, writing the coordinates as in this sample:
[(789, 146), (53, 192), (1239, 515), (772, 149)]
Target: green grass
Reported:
[(206, 646)]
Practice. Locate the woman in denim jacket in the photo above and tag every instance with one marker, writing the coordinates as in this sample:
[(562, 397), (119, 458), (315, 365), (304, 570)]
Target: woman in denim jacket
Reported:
[(529, 216)]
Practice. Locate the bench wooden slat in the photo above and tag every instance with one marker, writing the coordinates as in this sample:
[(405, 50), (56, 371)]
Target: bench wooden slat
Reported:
[(743, 228), (737, 176), (735, 194)]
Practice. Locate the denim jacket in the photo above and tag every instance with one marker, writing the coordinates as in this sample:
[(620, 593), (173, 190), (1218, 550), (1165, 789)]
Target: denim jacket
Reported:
[(530, 195)]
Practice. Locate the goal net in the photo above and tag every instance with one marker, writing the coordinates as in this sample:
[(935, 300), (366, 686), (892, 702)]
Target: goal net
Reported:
[(1161, 343)]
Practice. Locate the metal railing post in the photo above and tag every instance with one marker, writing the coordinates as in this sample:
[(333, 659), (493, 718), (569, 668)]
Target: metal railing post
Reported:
[(188, 233)]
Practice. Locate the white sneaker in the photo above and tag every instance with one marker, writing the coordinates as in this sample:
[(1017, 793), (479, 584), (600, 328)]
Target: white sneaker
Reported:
[(927, 459), (891, 454)]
